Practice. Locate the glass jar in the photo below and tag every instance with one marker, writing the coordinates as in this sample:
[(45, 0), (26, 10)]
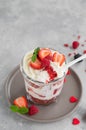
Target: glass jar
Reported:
[(42, 93)]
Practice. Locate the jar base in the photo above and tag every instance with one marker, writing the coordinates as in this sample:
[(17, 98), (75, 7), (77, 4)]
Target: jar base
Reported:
[(42, 102)]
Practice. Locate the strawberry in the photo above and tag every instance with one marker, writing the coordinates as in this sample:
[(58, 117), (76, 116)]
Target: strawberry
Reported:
[(36, 64), (44, 52), (33, 110), (75, 121), (21, 102), (73, 99), (60, 58), (75, 44), (55, 56)]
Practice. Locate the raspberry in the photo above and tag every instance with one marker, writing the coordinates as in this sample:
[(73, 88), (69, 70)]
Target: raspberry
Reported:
[(75, 44), (73, 99), (33, 110), (75, 121)]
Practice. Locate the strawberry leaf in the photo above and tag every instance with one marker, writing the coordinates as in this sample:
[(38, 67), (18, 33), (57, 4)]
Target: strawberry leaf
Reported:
[(35, 53), (14, 108), (34, 57), (21, 110)]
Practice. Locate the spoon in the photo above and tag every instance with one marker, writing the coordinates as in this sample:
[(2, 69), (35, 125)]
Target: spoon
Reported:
[(73, 62)]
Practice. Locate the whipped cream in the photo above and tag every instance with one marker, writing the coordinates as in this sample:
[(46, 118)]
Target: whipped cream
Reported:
[(40, 75)]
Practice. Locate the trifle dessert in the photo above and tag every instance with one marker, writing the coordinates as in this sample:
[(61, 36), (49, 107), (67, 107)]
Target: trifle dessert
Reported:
[(41, 69)]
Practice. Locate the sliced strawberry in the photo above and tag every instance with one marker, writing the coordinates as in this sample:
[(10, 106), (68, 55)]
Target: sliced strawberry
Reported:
[(44, 52), (36, 64), (21, 102), (33, 110), (60, 58), (55, 55)]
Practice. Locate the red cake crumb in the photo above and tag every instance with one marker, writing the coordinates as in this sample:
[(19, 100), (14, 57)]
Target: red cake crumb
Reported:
[(82, 44), (84, 52), (69, 54), (66, 45), (73, 99), (68, 72), (75, 121), (65, 80), (47, 81), (74, 53), (78, 37)]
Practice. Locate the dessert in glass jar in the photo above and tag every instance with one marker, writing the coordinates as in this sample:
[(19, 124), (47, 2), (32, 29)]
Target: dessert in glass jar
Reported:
[(42, 75)]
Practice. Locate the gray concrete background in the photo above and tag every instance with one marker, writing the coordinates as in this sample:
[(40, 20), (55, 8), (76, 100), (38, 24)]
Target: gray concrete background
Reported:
[(26, 24)]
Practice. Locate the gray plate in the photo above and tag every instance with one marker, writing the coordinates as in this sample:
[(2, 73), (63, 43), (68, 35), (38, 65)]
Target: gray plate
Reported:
[(14, 87)]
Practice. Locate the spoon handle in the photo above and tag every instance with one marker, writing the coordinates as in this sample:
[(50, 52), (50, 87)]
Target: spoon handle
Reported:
[(75, 61)]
